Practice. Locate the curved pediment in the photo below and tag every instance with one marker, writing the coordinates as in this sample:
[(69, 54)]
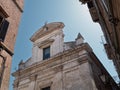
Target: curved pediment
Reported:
[(46, 29)]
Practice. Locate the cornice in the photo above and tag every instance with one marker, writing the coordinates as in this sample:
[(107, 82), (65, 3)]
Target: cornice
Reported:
[(4, 47), (58, 59), (3, 12), (46, 42), (18, 6)]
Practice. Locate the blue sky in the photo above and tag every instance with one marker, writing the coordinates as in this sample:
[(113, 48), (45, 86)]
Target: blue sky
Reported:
[(76, 18)]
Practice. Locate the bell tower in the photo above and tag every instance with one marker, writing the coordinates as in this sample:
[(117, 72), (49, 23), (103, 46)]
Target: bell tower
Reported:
[(10, 13)]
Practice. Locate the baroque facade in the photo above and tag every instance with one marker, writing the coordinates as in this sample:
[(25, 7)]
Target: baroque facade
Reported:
[(10, 13), (59, 65), (107, 14)]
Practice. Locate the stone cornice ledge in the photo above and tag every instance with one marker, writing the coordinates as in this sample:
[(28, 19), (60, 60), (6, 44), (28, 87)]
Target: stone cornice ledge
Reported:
[(57, 58), (4, 12), (21, 10), (2, 45)]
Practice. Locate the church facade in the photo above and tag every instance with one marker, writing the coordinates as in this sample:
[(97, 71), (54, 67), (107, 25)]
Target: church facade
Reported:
[(59, 65)]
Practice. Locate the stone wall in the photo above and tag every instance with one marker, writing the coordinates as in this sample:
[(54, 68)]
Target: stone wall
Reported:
[(7, 47), (14, 15), (66, 71)]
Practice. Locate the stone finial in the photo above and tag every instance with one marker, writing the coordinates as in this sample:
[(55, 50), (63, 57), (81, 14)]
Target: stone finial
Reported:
[(79, 39), (21, 64), (79, 36), (45, 26)]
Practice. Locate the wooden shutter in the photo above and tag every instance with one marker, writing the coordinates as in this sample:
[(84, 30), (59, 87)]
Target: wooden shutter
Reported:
[(3, 28)]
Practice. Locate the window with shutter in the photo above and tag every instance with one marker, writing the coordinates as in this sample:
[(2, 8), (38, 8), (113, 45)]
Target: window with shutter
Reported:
[(3, 28)]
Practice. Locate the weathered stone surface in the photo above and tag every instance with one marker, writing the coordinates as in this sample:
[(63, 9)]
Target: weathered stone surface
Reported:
[(66, 69), (13, 18)]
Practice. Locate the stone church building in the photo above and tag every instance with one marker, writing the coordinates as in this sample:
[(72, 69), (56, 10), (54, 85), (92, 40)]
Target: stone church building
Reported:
[(59, 65)]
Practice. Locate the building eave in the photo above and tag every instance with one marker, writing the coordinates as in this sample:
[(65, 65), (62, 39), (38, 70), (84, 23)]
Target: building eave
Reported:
[(4, 47)]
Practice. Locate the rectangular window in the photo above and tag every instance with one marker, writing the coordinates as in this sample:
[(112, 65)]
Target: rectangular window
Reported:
[(46, 88), (46, 53), (3, 28)]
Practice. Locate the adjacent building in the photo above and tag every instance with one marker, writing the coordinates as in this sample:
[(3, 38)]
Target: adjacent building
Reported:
[(102, 78), (10, 13), (107, 14), (59, 65)]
